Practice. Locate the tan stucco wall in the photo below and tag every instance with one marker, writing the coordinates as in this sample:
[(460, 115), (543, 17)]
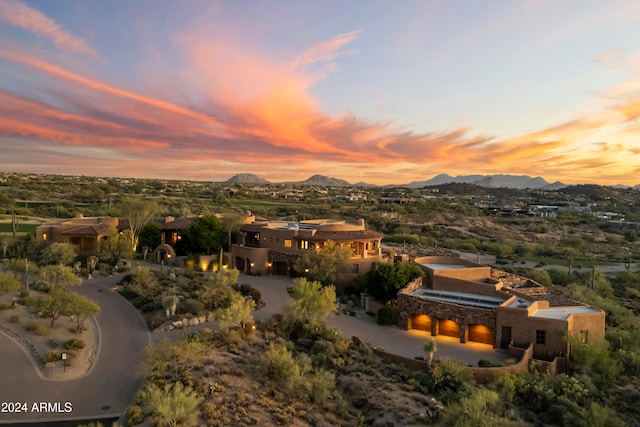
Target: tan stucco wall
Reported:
[(523, 331)]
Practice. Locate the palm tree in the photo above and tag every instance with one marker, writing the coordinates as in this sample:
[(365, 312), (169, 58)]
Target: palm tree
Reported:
[(429, 348)]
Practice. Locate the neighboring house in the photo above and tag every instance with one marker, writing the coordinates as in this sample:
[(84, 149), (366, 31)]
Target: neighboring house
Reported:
[(81, 232), (272, 247), (476, 303), (172, 233)]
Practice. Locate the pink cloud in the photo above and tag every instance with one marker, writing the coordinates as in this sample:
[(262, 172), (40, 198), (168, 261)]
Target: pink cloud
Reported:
[(20, 15)]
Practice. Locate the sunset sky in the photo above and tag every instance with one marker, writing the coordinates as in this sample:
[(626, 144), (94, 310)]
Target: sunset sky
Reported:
[(364, 90)]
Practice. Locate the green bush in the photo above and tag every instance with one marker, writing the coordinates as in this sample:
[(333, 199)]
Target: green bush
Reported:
[(53, 356), (134, 416), (14, 318), (74, 344), (192, 306), (386, 316)]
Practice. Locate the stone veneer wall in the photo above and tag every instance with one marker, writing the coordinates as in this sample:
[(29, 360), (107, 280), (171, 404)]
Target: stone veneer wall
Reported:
[(409, 306)]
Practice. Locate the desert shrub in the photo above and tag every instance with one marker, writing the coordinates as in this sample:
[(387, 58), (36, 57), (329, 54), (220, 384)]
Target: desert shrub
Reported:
[(53, 356), (449, 378), (386, 316), (191, 306), (53, 343), (402, 238), (154, 320), (134, 415), (14, 318), (42, 286), (37, 328), (320, 385), (74, 344)]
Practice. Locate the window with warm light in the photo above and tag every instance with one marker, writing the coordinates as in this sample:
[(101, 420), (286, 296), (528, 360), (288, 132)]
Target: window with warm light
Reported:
[(44, 236), (304, 244), (288, 243)]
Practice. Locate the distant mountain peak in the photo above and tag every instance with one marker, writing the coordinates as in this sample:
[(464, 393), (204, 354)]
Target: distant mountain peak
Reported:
[(323, 180), (247, 178), (490, 181)]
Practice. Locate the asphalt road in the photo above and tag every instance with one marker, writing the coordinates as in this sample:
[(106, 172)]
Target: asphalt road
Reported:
[(105, 391)]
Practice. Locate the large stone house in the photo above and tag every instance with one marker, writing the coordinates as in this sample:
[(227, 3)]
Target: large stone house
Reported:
[(83, 233), (271, 247), (476, 303)]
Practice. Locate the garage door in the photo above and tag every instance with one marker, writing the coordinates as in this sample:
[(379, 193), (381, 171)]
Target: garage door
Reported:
[(481, 333), (281, 268), (421, 322), (449, 328)]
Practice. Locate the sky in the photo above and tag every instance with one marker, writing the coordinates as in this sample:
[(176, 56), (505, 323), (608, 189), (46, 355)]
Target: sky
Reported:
[(383, 92)]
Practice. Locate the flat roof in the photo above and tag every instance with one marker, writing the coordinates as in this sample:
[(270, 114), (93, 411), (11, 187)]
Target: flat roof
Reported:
[(444, 266), (563, 313), (459, 298)]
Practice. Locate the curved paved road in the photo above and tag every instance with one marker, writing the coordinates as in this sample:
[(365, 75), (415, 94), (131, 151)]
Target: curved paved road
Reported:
[(108, 388)]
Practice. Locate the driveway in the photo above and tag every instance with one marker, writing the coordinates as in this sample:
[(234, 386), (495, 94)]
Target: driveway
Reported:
[(392, 339), (106, 390)]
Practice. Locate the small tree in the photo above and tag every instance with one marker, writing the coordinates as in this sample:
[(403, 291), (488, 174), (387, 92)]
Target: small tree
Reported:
[(59, 253), (116, 247), (384, 280), (312, 302), (238, 312), (56, 303), (8, 283), (59, 275), (204, 235), (324, 265), (230, 222), (139, 214), (429, 348), (173, 405), (81, 308)]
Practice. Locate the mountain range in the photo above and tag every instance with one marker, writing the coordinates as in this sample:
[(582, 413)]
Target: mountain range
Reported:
[(488, 181)]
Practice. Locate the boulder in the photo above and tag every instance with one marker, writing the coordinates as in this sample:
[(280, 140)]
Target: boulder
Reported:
[(177, 325), (194, 321)]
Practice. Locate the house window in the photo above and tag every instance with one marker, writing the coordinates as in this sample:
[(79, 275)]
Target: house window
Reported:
[(354, 268), (304, 244), (541, 337), (584, 337), (288, 243), (44, 236)]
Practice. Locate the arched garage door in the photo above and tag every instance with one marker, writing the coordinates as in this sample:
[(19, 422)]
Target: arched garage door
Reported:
[(481, 333), (421, 322), (449, 328)]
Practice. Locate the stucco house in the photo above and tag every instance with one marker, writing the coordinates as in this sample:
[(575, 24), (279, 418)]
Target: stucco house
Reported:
[(272, 247), (81, 232), (472, 302)]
